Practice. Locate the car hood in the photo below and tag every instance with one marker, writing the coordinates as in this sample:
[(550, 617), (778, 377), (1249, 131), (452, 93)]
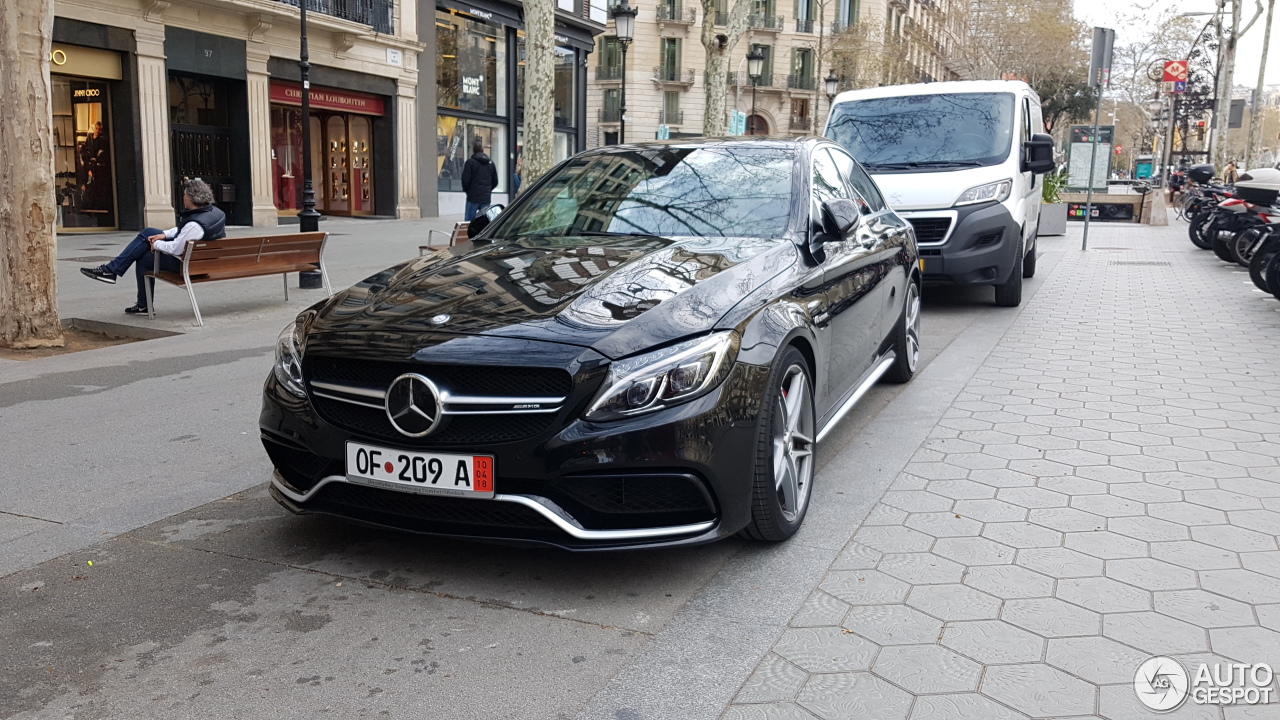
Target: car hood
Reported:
[(933, 189), (616, 295)]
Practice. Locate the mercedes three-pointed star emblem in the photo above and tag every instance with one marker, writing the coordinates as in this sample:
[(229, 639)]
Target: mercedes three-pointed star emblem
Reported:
[(413, 405)]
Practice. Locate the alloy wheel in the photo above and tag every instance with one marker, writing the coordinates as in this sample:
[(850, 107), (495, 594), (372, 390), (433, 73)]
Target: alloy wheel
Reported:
[(793, 443), (913, 326)]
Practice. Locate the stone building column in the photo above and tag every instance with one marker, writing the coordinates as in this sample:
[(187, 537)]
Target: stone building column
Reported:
[(153, 126), (260, 167), (407, 150)]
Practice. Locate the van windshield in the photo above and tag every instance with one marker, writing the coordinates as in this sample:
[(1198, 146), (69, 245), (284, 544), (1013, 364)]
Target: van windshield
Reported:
[(925, 132)]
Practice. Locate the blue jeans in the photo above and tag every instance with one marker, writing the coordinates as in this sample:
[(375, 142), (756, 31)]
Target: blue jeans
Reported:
[(138, 253), (473, 209)]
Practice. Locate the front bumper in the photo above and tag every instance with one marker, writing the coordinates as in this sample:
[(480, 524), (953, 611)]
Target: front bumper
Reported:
[(979, 248), (674, 477)]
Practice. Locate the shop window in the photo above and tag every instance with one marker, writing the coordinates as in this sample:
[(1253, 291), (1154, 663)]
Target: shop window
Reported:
[(453, 147), (471, 70), (341, 161), (83, 163)]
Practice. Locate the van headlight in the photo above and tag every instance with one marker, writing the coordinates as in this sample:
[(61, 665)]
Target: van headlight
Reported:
[(997, 191), (665, 377), (288, 367)]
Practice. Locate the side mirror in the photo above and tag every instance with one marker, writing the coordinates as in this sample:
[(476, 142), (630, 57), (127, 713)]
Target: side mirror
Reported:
[(839, 218), (487, 214), (1037, 154)]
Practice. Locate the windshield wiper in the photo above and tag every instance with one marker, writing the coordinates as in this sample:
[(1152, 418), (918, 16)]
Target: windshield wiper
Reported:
[(920, 164)]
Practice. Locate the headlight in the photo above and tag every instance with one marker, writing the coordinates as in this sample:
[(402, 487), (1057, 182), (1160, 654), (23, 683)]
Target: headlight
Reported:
[(288, 368), (665, 377), (997, 191)]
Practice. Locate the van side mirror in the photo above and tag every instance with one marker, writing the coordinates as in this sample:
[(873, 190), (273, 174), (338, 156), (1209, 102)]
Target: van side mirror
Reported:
[(487, 214), (1037, 154)]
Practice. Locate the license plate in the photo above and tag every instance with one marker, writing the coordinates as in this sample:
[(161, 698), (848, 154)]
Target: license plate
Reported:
[(422, 473)]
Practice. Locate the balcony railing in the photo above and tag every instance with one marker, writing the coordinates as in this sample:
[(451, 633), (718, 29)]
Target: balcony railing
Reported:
[(801, 123), (377, 14), (760, 21), (610, 115), (802, 82), (841, 27), (683, 16), (671, 117), (804, 26), (673, 75), (609, 72), (768, 80)]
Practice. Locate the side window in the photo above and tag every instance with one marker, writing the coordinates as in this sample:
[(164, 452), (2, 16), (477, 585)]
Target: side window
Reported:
[(859, 180), (1026, 119)]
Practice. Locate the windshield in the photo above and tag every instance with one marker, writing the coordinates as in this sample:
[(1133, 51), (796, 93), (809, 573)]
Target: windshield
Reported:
[(666, 191), (925, 131)]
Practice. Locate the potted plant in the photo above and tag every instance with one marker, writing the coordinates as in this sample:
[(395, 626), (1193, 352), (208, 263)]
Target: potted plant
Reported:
[(1053, 213)]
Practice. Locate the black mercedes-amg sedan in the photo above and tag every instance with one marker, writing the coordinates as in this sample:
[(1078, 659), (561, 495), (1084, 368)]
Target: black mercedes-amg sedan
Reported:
[(644, 349)]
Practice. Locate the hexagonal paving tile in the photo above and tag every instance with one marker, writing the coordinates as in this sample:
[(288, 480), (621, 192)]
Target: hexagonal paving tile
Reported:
[(893, 624), (1032, 497), (1222, 499), (1106, 545), (954, 602), (891, 539), (961, 489), (1051, 617), (972, 551), (993, 642), (927, 669), (1022, 534), (1118, 702), (990, 510), (1269, 616), (1145, 492), (1151, 574), (1247, 644), (1103, 595), (944, 524), (1072, 485), (825, 649), (921, 568), (853, 695), (1002, 478), (1067, 519), (1108, 505), (774, 680), (1230, 537), (1245, 585), (1039, 690), (916, 501), (1009, 581), (819, 609), (864, 587), (961, 707), (1148, 529), (1098, 659), (1155, 633), (1203, 608), (1263, 521), (856, 556), (1194, 555), (1267, 563), (1185, 513), (1060, 562), (885, 515)]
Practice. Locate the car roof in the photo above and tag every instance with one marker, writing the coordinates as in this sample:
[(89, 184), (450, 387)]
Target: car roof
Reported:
[(935, 88)]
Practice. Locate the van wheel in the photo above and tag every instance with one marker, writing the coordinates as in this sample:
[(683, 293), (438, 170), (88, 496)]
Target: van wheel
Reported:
[(1029, 262), (1010, 293)]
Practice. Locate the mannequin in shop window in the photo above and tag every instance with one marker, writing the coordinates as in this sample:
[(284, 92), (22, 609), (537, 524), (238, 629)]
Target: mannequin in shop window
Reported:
[(479, 179)]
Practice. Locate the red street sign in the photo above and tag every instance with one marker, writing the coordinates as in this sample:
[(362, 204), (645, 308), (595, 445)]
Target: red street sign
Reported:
[(1119, 149), (1175, 71)]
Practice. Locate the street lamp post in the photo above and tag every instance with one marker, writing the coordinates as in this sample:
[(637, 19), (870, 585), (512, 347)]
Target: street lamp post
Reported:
[(308, 219), (755, 66), (624, 21), (832, 85)]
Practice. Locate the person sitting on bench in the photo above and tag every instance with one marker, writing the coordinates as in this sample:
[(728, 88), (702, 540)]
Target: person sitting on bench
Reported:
[(201, 220)]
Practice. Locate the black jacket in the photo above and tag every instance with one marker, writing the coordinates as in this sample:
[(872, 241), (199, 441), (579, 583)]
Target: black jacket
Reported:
[(479, 178)]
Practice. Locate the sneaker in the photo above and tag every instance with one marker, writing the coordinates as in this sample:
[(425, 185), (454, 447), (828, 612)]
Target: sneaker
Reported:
[(135, 310), (100, 273)]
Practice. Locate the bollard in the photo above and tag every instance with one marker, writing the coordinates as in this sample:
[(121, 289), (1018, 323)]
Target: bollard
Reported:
[(310, 280)]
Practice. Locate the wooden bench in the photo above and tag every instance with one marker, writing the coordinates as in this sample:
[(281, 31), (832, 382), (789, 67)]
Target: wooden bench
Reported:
[(241, 257), (459, 235)]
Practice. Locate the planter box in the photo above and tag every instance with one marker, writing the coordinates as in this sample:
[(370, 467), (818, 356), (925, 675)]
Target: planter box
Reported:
[(1053, 219)]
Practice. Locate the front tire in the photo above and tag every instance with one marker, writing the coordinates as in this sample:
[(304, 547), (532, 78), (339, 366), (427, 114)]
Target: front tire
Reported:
[(1029, 260), (906, 338), (1198, 229), (785, 444), (1010, 293)]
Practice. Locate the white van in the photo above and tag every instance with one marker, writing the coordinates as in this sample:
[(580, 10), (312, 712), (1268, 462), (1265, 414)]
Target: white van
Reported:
[(963, 163)]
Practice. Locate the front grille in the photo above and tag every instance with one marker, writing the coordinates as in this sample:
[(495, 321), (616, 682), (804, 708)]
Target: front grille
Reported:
[(425, 512), (636, 494), (299, 468), (930, 230), (454, 430), (459, 379)]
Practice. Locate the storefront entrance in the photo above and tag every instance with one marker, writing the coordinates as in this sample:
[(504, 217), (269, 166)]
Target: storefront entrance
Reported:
[(84, 164), (342, 156)]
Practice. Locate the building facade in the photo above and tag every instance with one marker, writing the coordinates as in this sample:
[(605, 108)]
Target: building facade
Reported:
[(148, 93), (665, 88)]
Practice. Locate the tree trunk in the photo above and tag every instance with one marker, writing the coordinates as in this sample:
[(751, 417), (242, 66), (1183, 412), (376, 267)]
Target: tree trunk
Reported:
[(1225, 76), (539, 78), (28, 247), (714, 115), (1255, 118)]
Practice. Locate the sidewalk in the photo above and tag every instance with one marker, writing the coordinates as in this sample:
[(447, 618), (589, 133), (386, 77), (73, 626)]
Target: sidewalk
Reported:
[(1105, 488), (355, 249)]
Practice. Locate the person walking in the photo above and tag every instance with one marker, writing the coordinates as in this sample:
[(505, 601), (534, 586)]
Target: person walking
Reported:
[(200, 220), (1231, 174), (479, 179)]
